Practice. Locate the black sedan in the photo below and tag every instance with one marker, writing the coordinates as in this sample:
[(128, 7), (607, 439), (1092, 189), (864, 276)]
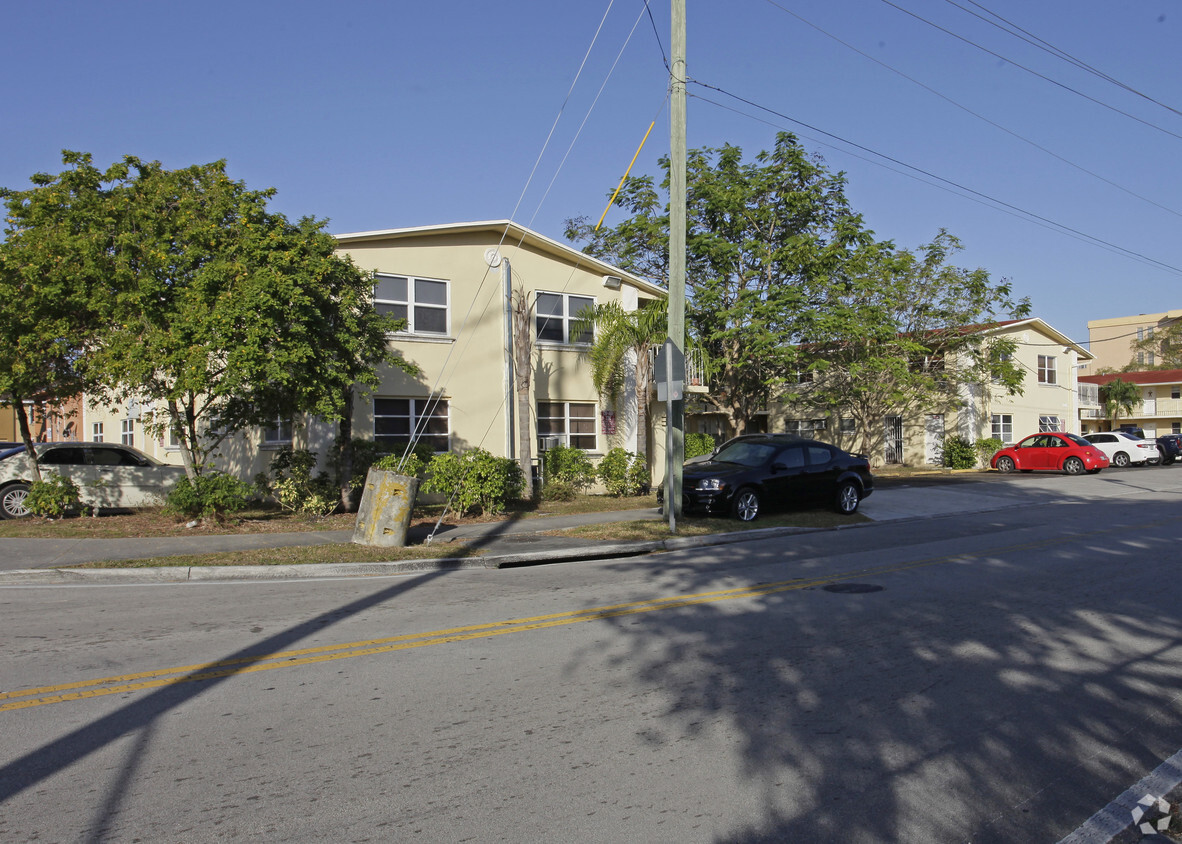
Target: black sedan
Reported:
[(758, 471)]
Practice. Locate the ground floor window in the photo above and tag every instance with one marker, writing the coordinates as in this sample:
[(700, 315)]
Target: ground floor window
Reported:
[(396, 421), (1003, 427), (127, 435), (1049, 423), (96, 432), (572, 423), (804, 427)]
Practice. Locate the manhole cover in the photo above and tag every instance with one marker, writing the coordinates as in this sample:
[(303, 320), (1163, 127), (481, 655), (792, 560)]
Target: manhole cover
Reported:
[(852, 588)]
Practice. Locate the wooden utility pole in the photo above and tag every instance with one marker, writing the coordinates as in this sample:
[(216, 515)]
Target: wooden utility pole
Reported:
[(675, 423)]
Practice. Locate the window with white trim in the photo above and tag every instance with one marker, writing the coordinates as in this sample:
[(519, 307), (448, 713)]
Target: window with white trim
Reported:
[(278, 433), (572, 423), (1049, 423), (848, 425), (96, 432), (422, 302), (558, 315), (804, 427), (1046, 370), (127, 434), (396, 420), (1003, 427)]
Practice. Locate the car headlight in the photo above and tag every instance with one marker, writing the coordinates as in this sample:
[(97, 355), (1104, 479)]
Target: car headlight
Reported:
[(708, 484)]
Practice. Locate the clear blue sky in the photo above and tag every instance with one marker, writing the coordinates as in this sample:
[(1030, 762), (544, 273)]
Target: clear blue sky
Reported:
[(386, 114)]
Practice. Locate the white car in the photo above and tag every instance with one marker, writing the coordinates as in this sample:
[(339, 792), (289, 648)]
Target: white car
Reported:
[(1125, 449), (107, 474)]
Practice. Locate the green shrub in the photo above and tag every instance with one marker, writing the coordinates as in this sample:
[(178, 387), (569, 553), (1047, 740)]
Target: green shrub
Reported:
[(416, 461), (959, 453), (563, 463), (559, 491), (622, 473), (213, 494), (53, 496), (293, 485), (986, 448), (698, 444), (475, 480)]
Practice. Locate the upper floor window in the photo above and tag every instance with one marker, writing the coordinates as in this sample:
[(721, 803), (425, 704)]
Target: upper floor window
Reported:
[(558, 316), (1046, 370), (422, 302)]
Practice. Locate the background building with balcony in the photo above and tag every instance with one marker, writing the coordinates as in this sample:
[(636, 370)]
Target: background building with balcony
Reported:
[(1159, 410)]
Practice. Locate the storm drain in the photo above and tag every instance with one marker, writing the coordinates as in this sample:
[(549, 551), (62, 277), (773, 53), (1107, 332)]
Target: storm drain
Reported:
[(852, 588)]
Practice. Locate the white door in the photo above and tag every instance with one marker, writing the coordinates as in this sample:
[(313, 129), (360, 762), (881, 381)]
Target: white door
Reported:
[(934, 438)]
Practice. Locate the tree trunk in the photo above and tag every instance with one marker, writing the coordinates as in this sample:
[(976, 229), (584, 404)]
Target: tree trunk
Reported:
[(643, 387), (185, 436), (522, 375), (345, 445), (22, 417)]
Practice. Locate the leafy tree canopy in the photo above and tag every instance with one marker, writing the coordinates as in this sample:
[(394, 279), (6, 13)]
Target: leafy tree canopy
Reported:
[(766, 240)]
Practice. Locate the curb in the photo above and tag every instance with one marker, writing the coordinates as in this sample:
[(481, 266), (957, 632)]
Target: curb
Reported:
[(212, 574)]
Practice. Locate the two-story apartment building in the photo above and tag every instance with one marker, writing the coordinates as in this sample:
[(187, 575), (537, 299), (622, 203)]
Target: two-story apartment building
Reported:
[(454, 285), (1048, 402)]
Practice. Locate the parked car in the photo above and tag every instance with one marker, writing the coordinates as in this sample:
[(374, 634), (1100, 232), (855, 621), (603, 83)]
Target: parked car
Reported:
[(1124, 449), (751, 473), (108, 474), (1169, 446), (1135, 430), (1051, 452)]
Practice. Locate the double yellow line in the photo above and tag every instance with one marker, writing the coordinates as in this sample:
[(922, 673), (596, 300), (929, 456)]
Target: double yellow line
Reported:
[(122, 683)]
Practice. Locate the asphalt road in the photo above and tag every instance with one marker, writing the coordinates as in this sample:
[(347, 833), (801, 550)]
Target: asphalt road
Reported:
[(982, 677)]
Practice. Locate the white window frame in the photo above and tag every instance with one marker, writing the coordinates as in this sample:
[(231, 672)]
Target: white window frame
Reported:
[(566, 319), (1050, 423), (278, 433), (561, 426), (96, 432), (1002, 427), (422, 413), (1048, 370), (410, 307), (127, 432)]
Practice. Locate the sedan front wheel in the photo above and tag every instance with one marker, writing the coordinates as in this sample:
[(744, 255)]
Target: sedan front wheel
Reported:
[(746, 505), (1120, 460)]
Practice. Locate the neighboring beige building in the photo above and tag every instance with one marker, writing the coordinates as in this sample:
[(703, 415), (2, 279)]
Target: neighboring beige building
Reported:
[(449, 282), (1160, 409), (1109, 339), (1049, 402)]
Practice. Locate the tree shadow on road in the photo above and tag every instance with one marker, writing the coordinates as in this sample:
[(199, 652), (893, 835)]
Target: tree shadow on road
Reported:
[(965, 700)]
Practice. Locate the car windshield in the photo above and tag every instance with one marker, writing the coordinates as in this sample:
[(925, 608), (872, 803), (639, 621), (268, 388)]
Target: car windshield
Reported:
[(745, 453), (1077, 440)]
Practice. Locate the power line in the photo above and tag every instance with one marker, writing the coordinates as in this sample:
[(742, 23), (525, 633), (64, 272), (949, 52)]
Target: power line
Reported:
[(1031, 71), (1003, 205), (1035, 41), (980, 117)]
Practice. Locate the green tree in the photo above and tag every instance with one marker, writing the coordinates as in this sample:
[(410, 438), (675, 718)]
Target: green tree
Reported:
[(622, 344), (911, 334), (55, 282), (1119, 397), (765, 241)]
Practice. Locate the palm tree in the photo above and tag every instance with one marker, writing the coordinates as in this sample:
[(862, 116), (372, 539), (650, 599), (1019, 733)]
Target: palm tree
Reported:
[(623, 340), (1120, 397)]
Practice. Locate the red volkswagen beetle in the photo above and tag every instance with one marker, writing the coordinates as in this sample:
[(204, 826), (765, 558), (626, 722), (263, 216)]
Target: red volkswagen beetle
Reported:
[(1051, 452)]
